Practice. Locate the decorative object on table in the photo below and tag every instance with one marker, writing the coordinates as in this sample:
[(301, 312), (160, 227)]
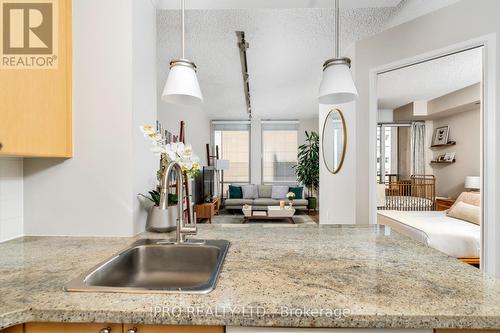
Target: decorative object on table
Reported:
[(334, 141), (282, 204), (337, 85), (160, 219), (290, 196), (307, 168), (449, 157), (441, 135), (182, 85), (472, 183)]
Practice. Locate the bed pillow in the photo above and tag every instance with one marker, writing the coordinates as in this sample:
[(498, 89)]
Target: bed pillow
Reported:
[(471, 198), (249, 191), (279, 192), (235, 192), (466, 212)]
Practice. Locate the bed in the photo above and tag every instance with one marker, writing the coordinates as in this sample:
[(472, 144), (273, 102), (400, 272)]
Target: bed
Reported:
[(456, 238)]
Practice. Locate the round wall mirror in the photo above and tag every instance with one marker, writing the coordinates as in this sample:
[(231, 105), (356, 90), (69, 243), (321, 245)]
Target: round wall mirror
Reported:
[(334, 140)]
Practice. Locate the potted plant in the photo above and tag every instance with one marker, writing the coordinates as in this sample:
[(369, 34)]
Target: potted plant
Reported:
[(163, 220), (307, 168), (156, 216)]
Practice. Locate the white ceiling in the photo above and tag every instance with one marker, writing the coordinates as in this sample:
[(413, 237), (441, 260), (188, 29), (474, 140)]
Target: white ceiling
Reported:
[(246, 4), (430, 79), (287, 49)]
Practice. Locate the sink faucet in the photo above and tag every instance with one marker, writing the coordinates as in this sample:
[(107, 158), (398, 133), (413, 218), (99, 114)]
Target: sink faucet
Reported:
[(182, 230)]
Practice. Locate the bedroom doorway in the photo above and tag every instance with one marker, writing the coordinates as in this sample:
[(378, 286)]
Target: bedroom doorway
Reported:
[(429, 148)]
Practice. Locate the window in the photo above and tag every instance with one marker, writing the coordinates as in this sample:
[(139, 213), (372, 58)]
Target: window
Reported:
[(387, 151), (279, 151), (233, 140)]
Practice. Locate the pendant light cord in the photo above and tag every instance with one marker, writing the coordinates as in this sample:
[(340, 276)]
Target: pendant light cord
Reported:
[(183, 5), (337, 28)]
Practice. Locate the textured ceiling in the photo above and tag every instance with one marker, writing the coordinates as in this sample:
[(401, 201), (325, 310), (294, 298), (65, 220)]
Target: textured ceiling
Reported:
[(246, 4), (287, 50), (430, 79)]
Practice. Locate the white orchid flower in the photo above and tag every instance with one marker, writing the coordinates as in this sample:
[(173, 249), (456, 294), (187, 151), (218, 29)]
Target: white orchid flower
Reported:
[(155, 137), (147, 129)]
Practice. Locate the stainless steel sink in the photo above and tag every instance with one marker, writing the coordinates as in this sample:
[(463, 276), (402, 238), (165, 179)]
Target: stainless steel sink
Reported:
[(157, 266)]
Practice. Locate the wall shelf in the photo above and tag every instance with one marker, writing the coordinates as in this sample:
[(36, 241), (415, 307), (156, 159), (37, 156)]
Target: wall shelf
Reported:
[(443, 162), (444, 145)]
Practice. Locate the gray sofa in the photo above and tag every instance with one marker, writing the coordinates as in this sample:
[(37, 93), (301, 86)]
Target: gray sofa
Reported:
[(262, 201)]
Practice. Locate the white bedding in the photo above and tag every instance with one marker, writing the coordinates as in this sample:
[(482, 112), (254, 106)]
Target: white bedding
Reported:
[(457, 238)]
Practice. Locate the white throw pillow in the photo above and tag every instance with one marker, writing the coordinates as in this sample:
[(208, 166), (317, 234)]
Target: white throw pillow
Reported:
[(249, 191), (279, 192), (466, 212)]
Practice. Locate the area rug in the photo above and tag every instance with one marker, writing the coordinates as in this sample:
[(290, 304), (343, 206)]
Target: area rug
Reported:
[(238, 219)]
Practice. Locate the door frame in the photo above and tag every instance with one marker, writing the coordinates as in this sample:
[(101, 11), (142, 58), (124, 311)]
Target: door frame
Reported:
[(490, 250)]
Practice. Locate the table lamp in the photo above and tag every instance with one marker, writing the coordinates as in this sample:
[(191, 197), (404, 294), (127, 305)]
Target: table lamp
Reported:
[(472, 183)]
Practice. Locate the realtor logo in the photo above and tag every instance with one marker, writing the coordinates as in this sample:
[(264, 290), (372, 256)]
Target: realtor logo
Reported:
[(29, 38)]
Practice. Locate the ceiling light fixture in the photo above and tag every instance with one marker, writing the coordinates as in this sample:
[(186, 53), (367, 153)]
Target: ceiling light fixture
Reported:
[(182, 85), (337, 85)]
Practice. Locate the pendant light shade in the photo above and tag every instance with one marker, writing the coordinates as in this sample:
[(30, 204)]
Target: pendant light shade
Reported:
[(337, 86), (182, 85)]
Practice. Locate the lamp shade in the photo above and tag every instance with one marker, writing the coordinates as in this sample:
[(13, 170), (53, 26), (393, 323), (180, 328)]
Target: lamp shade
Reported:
[(472, 182), (222, 164), (337, 85), (182, 85)]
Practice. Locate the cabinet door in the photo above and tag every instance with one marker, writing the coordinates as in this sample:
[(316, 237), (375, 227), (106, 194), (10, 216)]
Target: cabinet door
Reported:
[(35, 99), (71, 328), (171, 329), (14, 329)]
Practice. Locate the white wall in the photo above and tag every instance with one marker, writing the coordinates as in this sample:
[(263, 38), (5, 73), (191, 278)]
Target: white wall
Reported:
[(94, 193), (144, 106), (465, 128), (433, 31), (337, 192), (197, 123), (11, 198)]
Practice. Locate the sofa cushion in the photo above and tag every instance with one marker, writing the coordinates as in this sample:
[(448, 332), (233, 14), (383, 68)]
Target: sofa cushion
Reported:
[(265, 191), (237, 202), (235, 192), (279, 192), (297, 190), (249, 191), (266, 202)]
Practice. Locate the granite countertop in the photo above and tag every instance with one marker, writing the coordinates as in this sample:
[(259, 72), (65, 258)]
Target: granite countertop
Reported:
[(330, 276)]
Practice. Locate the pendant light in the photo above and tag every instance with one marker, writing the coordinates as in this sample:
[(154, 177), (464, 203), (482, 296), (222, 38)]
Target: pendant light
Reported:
[(337, 86), (182, 85)]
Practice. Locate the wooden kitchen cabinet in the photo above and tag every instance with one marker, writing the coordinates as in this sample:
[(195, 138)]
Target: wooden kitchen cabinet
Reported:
[(14, 329), (173, 329), (70, 328), (115, 328), (35, 102)]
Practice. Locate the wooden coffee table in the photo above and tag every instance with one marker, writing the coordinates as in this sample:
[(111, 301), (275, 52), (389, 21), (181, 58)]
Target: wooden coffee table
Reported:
[(272, 213)]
